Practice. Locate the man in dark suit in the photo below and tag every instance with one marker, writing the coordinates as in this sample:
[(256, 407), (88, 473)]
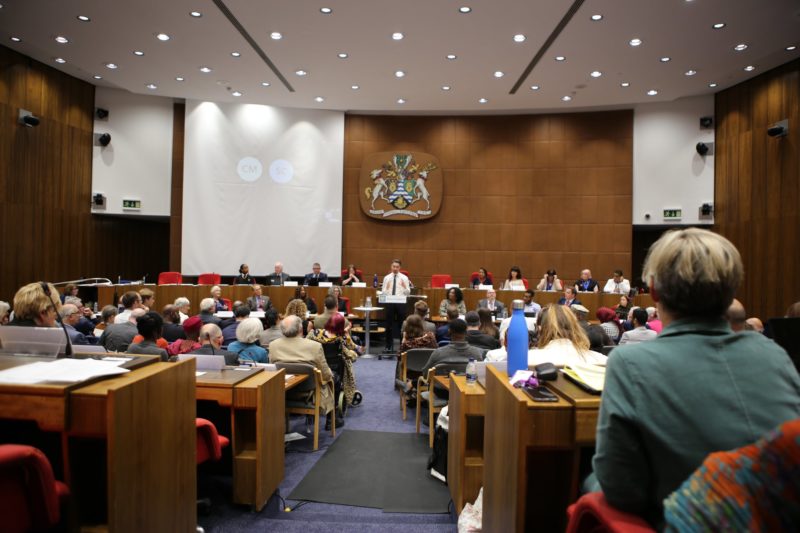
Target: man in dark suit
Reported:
[(211, 340), (258, 302), (207, 309), (279, 276), (569, 298), (313, 279), (492, 304)]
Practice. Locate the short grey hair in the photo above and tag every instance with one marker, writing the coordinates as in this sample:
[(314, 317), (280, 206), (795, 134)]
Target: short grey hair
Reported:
[(74, 300), (4, 308), (207, 305), (181, 301), (249, 330), (291, 326), (67, 310), (210, 331)]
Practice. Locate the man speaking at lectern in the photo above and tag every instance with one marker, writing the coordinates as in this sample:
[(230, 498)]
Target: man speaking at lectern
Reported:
[(395, 283)]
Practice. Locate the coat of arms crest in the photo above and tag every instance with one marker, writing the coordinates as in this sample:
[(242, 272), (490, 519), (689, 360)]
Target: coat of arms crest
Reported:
[(403, 186)]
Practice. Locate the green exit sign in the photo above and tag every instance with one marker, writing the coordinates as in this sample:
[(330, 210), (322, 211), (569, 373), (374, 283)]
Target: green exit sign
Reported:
[(672, 214), (131, 204)]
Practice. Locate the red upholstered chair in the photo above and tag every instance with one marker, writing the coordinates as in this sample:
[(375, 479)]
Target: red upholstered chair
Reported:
[(403, 271), (169, 278), (346, 301), (525, 282), (475, 275), (30, 497), (228, 303), (209, 279), (359, 273), (438, 281), (209, 442), (592, 514)]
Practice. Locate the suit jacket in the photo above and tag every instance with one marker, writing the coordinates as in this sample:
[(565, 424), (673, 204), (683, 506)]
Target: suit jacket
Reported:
[(173, 332), (563, 301), (498, 306), (639, 334), (75, 336), (300, 350), (231, 359), (244, 280), (117, 336), (229, 333), (253, 305), (312, 281), (208, 318), (277, 279)]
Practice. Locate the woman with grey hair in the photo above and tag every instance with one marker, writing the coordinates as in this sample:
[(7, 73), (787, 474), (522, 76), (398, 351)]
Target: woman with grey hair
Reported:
[(246, 345), (183, 306), (4, 312)]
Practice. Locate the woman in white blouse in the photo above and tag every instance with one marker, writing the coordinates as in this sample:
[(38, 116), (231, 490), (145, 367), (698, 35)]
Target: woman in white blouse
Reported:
[(562, 340), (514, 281)]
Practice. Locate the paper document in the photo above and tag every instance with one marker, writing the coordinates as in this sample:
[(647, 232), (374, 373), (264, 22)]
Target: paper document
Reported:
[(196, 374), (60, 371), (591, 375), (289, 376), (289, 437)]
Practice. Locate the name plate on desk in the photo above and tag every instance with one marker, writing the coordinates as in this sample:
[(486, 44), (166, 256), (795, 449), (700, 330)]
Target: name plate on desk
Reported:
[(224, 314), (361, 284), (392, 299), (257, 314), (451, 285), (484, 287), (326, 284), (290, 284)]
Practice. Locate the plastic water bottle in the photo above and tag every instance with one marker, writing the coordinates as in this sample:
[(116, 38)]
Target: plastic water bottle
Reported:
[(375, 281), (517, 335), (472, 372)]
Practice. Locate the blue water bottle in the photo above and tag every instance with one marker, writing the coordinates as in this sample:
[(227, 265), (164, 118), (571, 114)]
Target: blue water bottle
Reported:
[(517, 335), (375, 281)]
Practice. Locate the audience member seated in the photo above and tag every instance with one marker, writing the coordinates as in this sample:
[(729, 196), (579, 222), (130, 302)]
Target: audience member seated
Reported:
[(443, 331), (301, 293), (107, 316), (86, 321), (596, 334), (754, 324), (610, 323), (514, 281), (474, 335), (334, 332), (529, 306), (172, 329), (655, 324), (586, 283), (562, 340), (36, 305), (454, 296), (279, 276), (352, 276), (492, 304), (421, 310), (219, 303), (272, 329), (639, 333), (191, 327), (148, 298), (501, 353), (569, 298), (244, 277), (70, 289), (5, 312), (293, 348), (793, 311), (336, 292), (487, 324), (617, 284), (330, 304), (183, 305), (240, 312), (482, 278), (735, 315), (312, 279), (415, 335), (207, 309), (258, 302), (149, 326), (458, 351), (117, 337), (246, 345), (623, 307), (211, 344), (550, 282), (130, 301), (696, 389), (298, 308), (69, 317)]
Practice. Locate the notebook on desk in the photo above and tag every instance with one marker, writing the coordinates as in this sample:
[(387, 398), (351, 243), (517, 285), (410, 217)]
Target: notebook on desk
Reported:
[(41, 342)]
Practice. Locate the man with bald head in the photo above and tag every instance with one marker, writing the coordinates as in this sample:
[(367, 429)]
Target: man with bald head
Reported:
[(279, 276), (754, 324), (211, 344), (492, 303), (736, 316)]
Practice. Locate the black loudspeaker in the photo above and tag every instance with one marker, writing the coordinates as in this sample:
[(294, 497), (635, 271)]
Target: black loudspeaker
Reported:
[(101, 113), (706, 122), (104, 139), (702, 148)]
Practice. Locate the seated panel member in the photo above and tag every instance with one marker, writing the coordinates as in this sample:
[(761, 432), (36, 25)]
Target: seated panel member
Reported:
[(569, 298), (219, 303), (352, 276), (244, 277), (453, 296), (258, 302), (483, 278), (514, 281), (697, 388), (316, 275), (586, 283), (618, 284), (550, 282), (279, 276), (492, 303)]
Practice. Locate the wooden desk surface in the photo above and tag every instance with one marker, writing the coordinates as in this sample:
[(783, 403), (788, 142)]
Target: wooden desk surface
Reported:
[(225, 378), (294, 380)]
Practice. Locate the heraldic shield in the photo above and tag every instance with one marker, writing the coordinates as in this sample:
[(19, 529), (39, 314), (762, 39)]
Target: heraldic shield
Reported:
[(401, 186)]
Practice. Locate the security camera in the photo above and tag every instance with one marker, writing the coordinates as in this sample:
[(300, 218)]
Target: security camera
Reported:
[(101, 113), (27, 119), (104, 139), (779, 129)]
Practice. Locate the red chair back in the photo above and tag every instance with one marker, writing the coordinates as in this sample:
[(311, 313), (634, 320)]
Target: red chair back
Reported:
[(209, 442), (168, 278), (346, 301), (359, 273), (525, 282), (592, 514), (475, 275), (209, 279), (30, 497), (228, 303), (438, 281)]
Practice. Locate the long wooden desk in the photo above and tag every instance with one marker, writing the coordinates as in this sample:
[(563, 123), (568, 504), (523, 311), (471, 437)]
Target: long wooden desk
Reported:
[(143, 422)]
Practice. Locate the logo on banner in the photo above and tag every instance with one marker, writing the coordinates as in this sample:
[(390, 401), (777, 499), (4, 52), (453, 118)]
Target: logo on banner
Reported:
[(401, 186)]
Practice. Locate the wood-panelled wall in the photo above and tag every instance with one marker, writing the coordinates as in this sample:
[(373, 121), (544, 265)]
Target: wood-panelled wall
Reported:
[(537, 191), (46, 228), (758, 186)]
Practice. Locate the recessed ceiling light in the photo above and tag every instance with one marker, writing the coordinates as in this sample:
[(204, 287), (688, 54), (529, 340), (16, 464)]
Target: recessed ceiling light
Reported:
[(397, 36), (196, 14), (16, 39), (162, 36), (625, 84), (595, 74), (97, 77), (712, 84), (355, 87), (652, 92), (597, 17), (83, 18), (138, 53), (62, 40), (205, 70), (451, 57), (151, 86), (535, 87), (179, 78), (276, 36), (401, 101), (112, 66), (319, 99), (399, 74), (445, 87), (342, 55), (498, 74), (265, 84), (325, 10), (690, 72), (236, 54), (566, 98), (236, 93), (749, 68), (519, 38), (740, 47), (560, 58), (665, 59), (791, 48), (635, 42), (464, 9), (482, 100), (301, 72), (60, 60), (718, 25)]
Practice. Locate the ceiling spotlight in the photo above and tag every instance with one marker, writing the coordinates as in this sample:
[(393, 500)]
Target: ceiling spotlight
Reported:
[(482, 100), (397, 36), (718, 25), (712, 84), (151, 86), (236, 93), (301, 72), (740, 47), (401, 101), (451, 57), (566, 98), (498, 74), (205, 70), (342, 55), (325, 10), (560, 58), (535, 87), (97, 77), (749, 68), (635, 42), (265, 84), (319, 99), (355, 87), (16, 39), (519, 38), (83, 18), (597, 17), (690, 72), (236, 54), (464, 9), (196, 14), (665, 59), (62, 40), (652, 92), (791, 48), (445, 87), (179, 78), (162, 36), (399, 74), (595, 74), (138, 53), (112, 66), (625, 84), (60, 60), (276, 36)]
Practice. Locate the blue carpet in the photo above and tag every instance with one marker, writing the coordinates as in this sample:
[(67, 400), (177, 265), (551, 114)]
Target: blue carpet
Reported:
[(379, 411)]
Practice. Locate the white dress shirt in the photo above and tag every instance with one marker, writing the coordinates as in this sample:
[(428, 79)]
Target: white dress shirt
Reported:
[(402, 287), (623, 287)]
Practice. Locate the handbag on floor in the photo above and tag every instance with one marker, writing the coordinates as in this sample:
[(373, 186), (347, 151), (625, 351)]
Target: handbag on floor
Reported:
[(437, 463)]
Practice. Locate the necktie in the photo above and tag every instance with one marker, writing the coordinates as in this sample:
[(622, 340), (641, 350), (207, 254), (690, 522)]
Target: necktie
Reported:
[(394, 284)]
